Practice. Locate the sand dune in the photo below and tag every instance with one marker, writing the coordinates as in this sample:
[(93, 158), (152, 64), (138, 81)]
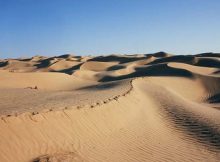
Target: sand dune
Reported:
[(116, 108)]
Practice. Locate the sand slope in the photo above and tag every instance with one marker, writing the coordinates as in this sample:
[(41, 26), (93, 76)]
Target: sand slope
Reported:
[(122, 108)]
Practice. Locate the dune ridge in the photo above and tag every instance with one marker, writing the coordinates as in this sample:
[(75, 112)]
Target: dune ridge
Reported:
[(156, 107)]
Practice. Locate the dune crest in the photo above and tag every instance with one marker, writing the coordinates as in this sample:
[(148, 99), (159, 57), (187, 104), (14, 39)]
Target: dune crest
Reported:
[(125, 108)]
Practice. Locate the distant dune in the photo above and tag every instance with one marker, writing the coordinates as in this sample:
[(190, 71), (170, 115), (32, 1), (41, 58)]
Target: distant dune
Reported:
[(115, 108)]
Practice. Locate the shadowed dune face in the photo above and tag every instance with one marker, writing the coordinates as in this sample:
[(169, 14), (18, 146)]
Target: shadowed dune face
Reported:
[(124, 108), (215, 98)]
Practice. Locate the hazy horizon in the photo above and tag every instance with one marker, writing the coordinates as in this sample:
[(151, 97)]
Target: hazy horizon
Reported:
[(96, 27)]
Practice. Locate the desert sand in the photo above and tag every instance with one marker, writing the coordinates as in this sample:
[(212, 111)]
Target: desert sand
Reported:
[(115, 108)]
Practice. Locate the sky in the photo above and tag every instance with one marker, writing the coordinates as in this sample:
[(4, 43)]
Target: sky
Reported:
[(100, 27)]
